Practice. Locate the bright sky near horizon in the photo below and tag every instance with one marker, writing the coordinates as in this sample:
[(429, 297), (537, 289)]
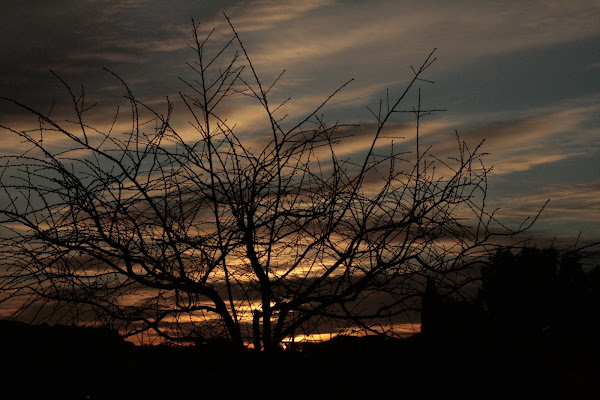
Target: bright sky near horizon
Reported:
[(523, 75)]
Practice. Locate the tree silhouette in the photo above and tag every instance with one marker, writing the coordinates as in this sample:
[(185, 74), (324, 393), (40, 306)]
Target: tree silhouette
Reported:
[(518, 288), (535, 290), (446, 320), (219, 234), (432, 311)]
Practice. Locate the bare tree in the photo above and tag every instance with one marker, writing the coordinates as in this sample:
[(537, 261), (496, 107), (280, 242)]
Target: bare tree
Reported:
[(150, 230)]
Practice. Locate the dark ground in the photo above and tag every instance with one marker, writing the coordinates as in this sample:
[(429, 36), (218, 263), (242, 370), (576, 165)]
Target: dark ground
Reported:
[(82, 363)]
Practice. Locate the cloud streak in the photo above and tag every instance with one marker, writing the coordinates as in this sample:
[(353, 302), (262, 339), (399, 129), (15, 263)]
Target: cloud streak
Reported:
[(322, 44), (524, 143)]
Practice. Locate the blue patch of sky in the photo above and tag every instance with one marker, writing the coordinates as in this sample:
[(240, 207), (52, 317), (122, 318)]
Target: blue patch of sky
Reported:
[(521, 80)]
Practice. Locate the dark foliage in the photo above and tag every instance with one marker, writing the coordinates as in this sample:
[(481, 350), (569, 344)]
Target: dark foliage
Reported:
[(531, 332), (536, 291), (445, 319)]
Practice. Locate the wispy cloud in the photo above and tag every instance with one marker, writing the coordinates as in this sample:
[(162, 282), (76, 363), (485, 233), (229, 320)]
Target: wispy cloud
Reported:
[(322, 44), (567, 202), (260, 15), (462, 30), (523, 143)]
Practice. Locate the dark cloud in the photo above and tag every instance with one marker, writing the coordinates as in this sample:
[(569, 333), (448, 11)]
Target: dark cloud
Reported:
[(78, 38)]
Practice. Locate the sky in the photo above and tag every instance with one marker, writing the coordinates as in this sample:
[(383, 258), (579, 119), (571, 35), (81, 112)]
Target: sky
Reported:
[(524, 76)]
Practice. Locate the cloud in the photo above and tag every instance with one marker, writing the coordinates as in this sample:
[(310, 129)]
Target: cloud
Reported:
[(381, 31), (573, 210), (523, 143), (323, 44), (576, 202), (263, 15)]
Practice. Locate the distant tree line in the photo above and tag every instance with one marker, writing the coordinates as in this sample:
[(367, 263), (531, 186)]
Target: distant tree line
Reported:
[(522, 293)]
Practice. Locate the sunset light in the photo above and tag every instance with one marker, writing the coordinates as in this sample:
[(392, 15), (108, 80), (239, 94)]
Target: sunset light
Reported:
[(246, 190)]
